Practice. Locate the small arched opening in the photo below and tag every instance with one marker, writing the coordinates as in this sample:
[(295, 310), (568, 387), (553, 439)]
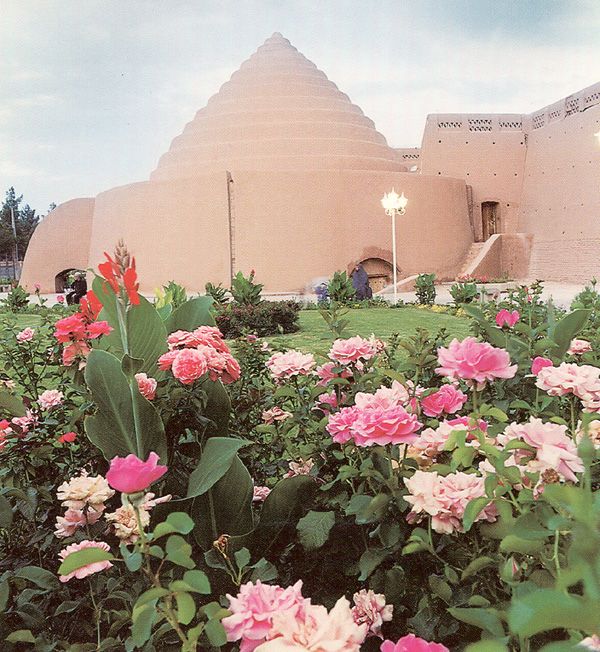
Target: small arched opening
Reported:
[(64, 280), (380, 273)]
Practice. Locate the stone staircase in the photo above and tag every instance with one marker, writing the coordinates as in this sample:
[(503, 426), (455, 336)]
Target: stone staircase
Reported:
[(474, 251)]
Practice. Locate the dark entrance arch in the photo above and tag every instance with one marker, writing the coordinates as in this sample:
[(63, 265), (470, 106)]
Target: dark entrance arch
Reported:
[(61, 280), (380, 273), (490, 218)]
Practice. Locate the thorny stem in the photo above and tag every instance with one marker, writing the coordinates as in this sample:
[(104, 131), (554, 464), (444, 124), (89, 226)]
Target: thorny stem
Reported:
[(97, 614)]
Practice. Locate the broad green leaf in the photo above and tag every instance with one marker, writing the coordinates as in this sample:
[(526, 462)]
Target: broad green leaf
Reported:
[(198, 581), (178, 522), (242, 558), (215, 633), (81, 558), (11, 405), (218, 408), (313, 529), (143, 618), (6, 513), (487, 646), (151, 595), (217, 457), (124, 422), (547, 609), (472, 511), (40, 576), (193, 313), (486, 619), (226, 508), (567, 328), (186, 608), (179, 551), (67, 607), (21, 636), (476, 565), (513, 543), (369, 561)]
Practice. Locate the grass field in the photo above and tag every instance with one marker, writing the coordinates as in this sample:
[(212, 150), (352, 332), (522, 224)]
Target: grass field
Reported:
[(314, 335)]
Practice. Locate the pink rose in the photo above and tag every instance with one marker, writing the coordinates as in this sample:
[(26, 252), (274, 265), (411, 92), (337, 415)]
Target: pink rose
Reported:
[(447, 399), (221, 365), (50, 398), (577, 347), (130, 475), (88, 569), (505, 318), (568, 378), (590, 643), (189, 365), (146, 385), (474, 361), (253, 609), (352, 350), (67, 438), (538, 363), (325, 373), (26, 335), (340, 425), (303, 467), (370, 609), (385, 426), (289, 364), (74, 351), (384, 397), (410, 643), (275, 414), (165, 362), (260, 494), (60, 298)]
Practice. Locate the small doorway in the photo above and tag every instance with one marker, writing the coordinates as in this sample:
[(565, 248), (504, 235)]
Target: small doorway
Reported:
[(489, 218), (63, 280), (380, 273)]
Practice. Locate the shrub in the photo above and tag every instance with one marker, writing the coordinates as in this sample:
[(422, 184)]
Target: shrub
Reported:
[(425, 289), (245, 291), (463, 292), (340, 288), (266, 318), (17, 300), (172, 293), (217, 292)]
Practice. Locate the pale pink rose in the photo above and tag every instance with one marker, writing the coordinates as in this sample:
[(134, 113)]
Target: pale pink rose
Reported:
[(538, 363), (577, 347), (303, 467), (410, 643), (330, 399), (325, 373), (474, 361), (555, 450), (26, 422), (431, 441), (67, 525), (88, 569), (313, 629), (253, 609), (569, 378), (352, 350), (289, 364), (375, 427), (470, 424), (506, 318), (130, 475), (383, 398), (26, 335), (165, 362), (260, 494), (60, 298), (189, 365), (340, 424), (125, 522), (447, 400), (146, 385), (274, 415), (50, 398), (75, 351), (179, 340), (370, 609), (590, 643), (85, 491), (221, 365), (592, 431), (9, 384)]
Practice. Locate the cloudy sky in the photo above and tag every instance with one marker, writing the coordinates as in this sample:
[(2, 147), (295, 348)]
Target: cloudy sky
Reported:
[(93, 91)]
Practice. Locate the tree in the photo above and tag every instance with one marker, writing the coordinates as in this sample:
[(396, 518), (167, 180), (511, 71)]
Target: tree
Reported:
[(26, 221)]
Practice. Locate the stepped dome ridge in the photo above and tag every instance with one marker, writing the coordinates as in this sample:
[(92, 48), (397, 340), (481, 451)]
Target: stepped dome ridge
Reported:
[(277, 111)]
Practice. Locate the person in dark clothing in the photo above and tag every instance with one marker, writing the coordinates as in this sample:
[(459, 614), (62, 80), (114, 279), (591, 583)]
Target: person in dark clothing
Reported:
[(360, 283), (78, 290)]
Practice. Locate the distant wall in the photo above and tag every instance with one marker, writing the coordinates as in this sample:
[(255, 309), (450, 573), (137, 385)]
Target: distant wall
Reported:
[(61, 241), (487, 151)]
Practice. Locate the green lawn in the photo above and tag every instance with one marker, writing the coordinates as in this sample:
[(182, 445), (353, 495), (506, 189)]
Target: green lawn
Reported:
[(314, 335)]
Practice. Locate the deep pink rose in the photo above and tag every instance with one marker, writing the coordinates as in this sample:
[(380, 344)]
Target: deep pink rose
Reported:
[(340, 425), (505, 318), (385, 426), (411, 643), (538, 363), (130, 475), (474, 361), (447, 399), (146, 385), (352, 350), (60, 298), (189, 365)]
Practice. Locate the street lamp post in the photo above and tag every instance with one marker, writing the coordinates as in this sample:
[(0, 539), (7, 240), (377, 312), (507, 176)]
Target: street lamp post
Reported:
[(393, 204)]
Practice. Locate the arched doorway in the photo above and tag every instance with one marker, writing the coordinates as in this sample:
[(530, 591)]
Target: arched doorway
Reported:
[(64, 279), (490, 218), (380, 273)]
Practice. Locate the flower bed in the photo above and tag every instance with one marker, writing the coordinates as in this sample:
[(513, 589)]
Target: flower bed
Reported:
[(161, 490)]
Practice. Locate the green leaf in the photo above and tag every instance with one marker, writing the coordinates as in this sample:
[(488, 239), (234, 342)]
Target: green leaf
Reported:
[(133, 559), (218, 408), (513, 543), (226, 508), (547, 609), (178, 522), (217, 457), (472, 511), (11, 405), (40, 576), (215, 633), (186, 608), (442, 589), (475, 566), (369, 561), (81, 558), (121, 412), (143, 618), (313, 529), (242, 558), (6, 513), (21, 636), (198, 581), (151, 595), (131, 366), (179, 551), (193, 313), (485, 619), (567, 328), (486, 646), (4, 595), (67, 607)]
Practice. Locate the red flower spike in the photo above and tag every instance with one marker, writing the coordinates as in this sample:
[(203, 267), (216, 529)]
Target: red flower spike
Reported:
[(90, 306), (131, 284), (107, 272)]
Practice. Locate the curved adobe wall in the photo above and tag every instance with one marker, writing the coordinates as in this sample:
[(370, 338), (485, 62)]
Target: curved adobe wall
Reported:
[(487, 151), (60, 242)]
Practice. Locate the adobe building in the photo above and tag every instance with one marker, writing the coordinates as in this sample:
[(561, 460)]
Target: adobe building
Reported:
[(281, 173)]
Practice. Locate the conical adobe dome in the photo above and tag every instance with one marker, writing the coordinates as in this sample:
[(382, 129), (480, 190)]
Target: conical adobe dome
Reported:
[(277, 112)]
